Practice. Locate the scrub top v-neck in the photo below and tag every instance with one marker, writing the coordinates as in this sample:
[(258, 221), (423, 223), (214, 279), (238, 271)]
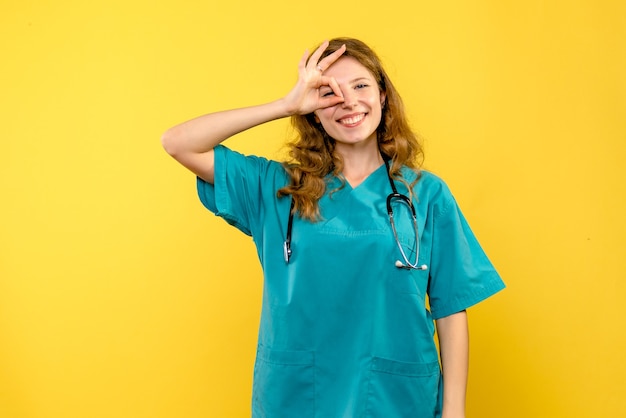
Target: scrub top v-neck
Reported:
[(343, 332)]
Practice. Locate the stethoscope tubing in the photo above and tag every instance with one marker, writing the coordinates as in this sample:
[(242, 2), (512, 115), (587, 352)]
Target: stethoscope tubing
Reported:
[(287, 251)]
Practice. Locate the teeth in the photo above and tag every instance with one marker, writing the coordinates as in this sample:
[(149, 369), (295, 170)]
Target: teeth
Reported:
[(352, 120)]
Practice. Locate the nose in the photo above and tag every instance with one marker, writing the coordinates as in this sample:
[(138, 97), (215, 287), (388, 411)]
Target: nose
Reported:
[(349, 98)]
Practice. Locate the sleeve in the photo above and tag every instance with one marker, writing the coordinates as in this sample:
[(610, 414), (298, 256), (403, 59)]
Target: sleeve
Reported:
[(238, 190), (461, 275)]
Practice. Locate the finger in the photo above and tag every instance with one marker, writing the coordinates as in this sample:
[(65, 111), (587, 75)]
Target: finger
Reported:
[(303, 60), (332, 83), (334, 99), (313, 60), (331, 58)]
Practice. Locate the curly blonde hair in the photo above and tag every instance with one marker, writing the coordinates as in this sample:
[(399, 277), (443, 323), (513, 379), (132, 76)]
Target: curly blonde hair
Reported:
[(312, 154)]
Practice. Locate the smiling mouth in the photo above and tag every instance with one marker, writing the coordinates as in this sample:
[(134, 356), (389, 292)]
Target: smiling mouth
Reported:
[(352, 120)]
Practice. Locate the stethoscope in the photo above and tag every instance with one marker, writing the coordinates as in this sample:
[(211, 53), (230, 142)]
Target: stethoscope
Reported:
[(394, 195)]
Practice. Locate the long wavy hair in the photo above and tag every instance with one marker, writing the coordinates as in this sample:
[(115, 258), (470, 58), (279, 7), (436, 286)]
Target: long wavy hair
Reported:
[(312, 154)]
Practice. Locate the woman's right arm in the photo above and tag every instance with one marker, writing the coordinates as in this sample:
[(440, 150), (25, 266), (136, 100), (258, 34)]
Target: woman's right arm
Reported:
[(191, 143)]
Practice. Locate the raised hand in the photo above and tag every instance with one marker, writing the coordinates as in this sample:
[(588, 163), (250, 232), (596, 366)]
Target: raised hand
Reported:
[(305, 97), (191, 143)]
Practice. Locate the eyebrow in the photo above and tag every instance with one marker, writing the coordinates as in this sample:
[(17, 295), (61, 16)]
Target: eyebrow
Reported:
[(361, 78)]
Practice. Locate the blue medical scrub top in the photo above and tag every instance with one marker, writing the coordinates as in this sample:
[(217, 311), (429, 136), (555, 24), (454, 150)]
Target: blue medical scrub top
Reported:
[(344, 332)]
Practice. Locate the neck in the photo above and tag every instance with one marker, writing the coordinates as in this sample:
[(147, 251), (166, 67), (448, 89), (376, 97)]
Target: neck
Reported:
[(358, 164)]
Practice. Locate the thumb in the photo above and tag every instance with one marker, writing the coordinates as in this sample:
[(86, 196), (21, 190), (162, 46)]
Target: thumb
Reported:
[(330, 101)]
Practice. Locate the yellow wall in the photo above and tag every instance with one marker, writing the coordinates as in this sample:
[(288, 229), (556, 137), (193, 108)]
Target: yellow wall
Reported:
[(120, 296)]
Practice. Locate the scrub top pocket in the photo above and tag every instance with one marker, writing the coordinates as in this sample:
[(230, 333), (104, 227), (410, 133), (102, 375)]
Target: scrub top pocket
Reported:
[(402, 390), (284, 384)]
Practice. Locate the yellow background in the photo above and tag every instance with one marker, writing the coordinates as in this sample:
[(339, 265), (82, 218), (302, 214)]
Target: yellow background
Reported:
[(120, 296)]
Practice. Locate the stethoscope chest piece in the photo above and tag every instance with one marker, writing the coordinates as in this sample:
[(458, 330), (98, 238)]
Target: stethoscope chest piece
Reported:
[(403, 199)]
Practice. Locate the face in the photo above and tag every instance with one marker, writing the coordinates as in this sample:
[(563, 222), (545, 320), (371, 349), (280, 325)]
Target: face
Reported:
[(354, 122)]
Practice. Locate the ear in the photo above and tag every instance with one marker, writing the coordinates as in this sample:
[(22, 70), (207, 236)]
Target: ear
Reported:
[(383, 99), (317, 120)]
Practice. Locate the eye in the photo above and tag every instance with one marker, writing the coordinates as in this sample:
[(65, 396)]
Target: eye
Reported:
[(328, 93), (361, 86)]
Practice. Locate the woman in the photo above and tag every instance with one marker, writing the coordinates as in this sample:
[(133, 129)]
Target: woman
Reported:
[(345, 326)]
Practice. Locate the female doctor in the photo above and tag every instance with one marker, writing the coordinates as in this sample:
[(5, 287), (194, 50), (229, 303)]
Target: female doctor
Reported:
[(363, 253)]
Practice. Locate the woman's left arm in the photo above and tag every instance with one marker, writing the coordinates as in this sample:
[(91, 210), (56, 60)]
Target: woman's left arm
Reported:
[(453, 332)]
